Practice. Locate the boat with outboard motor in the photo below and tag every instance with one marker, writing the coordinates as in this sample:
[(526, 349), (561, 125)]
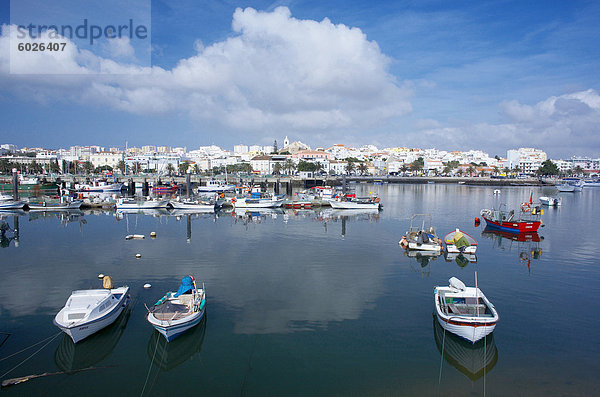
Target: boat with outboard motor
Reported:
[(464, 311), (550, 201), (570, 185), (458, 241), (421, 238), (135, 204), (196, 204), (356, 203), (526, 221), (175, 313), (214, 185), (88, 311)]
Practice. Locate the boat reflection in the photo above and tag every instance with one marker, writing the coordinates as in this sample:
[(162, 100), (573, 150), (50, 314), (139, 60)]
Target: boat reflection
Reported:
[(473, 360), (354, 214), (70, 356), (256, 215), (168, 355), (423, 258), (156, 212), (528, 245), (461, 259)]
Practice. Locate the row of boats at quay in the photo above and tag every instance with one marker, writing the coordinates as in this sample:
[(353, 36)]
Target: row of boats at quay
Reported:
[(88, 311)]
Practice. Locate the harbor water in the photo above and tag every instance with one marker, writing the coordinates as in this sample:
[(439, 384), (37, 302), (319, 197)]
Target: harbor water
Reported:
[(309, 302)]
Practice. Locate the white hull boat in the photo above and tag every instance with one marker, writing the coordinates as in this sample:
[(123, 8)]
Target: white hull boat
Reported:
[(423, 238), (464, 311), (550, 201), (52, 206), (215, 186), (570, 185), (355, 204), (192, 205), (100, 187), (175, 313), (12, 204), (88, 311), (460, 242), (129, 204), (274, 202)]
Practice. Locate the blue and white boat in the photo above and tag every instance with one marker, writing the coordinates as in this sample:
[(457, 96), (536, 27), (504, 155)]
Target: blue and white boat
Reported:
[(88, 311), (175, 313), (570, 185)]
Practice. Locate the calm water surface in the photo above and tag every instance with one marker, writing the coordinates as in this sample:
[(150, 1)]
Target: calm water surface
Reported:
[(311, 302)]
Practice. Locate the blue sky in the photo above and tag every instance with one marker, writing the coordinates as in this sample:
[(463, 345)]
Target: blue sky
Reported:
[(451, 75)]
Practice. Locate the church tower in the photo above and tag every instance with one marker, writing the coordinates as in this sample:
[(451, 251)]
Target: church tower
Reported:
[(286, 142)]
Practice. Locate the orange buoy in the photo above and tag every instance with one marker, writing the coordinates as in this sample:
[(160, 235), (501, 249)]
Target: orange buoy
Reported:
[(477, 221)]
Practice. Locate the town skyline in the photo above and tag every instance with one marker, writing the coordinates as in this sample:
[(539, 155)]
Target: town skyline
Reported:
[(492, 77)]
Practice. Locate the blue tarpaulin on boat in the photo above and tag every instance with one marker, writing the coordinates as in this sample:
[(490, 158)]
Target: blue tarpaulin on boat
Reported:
[(186, 285)]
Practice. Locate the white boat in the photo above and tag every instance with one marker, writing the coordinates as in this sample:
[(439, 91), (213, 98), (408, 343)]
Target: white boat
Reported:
[(88, 311), (460, 242), (550, 201), (177, 312), (465, 311), (193, 204), (258, 201), (591, 183), (100, 185), (215, 186), (356, 203), (8, 203), (48, 205), (134, 204), (421, 238), (570, 185)]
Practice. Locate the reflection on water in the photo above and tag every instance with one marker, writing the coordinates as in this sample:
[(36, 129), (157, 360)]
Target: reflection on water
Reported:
[(473, 360), (423, 259), (527, 245), (70, 356), (462, 259), (168, 355)]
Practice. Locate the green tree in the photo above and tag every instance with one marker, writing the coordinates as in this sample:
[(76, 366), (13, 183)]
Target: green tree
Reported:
[(183, 167), (362, 168), (404, 168), (318, 167), (121, 166), (305, 166), (470, 170), (460, 172), (289, 166), (88, 167), (548, 168), (417, 165), (277, 167), (170, 169), (53, 166), (102, 168), (350, 167), (495, 170), (196, 169), (35, 167), (578, 170)]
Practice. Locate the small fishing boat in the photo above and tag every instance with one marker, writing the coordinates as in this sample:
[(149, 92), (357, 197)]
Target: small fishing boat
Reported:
[(460, 242), (88, 311), (165, 189), (464, 311), (8, 203), (215, 186), (192, 204), (550, 201), (134, 204), (258, 200), (100, 186), (175, 313), (53, 205), (421, 238), (526, 221), (570, 185), (356, 203)]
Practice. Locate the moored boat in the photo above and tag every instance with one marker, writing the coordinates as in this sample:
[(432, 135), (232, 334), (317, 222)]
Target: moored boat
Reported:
[(193, 204), (177, 312), (134, 204), (53, 205), (458, 241), (88, 311), (421, 238), (8, 203), (570, 185), (165, 189), (464, 311), (258, 200), (526, 221), (100, 186), (550, 201), (356, 203), (215, 186)]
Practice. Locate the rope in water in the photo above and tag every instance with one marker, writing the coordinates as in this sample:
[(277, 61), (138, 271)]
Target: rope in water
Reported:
[(34, 353), (27, 348), (150, 368)]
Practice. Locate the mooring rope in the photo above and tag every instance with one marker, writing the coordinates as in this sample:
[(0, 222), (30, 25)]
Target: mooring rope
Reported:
[(27, 348), (34, 353), (150, 368)]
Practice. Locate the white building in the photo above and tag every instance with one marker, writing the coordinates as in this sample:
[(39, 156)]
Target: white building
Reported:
[(527, 159), (102, 159), (240, 149)]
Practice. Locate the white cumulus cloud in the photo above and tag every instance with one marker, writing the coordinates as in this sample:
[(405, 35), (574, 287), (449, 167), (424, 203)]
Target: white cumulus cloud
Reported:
[(275, 73)]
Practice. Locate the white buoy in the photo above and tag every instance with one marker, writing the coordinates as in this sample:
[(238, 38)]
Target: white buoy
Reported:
[(138, 255), (101, 275), (147, 286), (153, 234)]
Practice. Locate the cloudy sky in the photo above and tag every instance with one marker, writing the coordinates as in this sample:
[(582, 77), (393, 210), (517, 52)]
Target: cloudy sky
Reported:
[(432, 74)]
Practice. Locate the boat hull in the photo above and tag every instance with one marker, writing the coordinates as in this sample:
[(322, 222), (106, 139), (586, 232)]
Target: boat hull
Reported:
[(351, 205), (141, 205), (171, 330), (471, 333), (81, 331), (177, 205), (258, 203), (452, 249), (12, 205), (514, 227)]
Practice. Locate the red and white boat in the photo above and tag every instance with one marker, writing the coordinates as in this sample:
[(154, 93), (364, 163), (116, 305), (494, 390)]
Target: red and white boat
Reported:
[(526, 221)]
